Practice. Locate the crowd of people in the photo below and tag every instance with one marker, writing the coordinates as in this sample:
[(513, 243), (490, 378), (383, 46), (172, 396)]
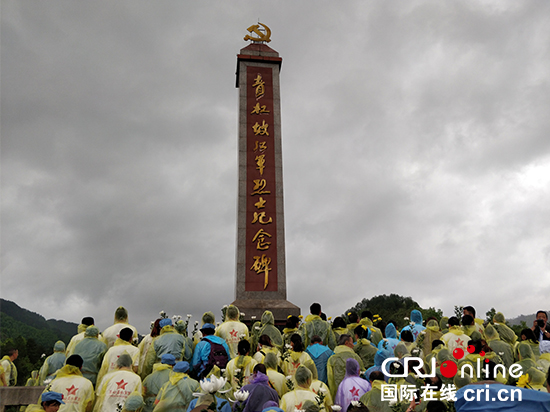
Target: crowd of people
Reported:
[(312, 365)]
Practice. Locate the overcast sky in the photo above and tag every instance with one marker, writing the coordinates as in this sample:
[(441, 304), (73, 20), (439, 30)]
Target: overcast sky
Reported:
[(416, 153)]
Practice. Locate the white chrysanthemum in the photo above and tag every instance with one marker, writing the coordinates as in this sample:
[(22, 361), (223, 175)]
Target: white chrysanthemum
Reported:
[(241, 395), (336, 408), (289, 377), (242, 314), (188, 315), (257, 327), (355, 403), (253, 317), (323, 389)]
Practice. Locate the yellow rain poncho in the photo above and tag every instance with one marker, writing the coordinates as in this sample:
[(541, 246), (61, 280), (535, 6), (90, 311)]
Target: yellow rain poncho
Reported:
[(268, 328), (116, 386), (314, 325), (526, 360), (366, 352), (239, 370), (318, 386), (53, 363), (295, 399), (428, 335), (10, 371), (207, 317), (91, 350), (294, 360), (177, 393), (373, 398), (506, 334), (232, 330), (501, 348), (110, 335), (169, 341), (78, 392), (376, 334), (153, 383), (537, 379), (109, 360), (336, 366), (277, 379)]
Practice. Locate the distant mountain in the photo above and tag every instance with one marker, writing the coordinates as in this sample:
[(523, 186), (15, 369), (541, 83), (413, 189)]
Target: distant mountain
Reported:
[(528, 319), (16, 321)]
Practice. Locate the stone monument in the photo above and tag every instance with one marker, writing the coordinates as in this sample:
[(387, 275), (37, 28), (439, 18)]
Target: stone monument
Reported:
[(261, 274)]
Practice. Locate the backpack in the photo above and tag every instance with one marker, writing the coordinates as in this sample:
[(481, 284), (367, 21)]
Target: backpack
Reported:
[(218, 356)]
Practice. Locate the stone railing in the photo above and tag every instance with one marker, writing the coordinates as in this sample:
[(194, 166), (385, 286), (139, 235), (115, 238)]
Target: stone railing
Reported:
[(19, 395)]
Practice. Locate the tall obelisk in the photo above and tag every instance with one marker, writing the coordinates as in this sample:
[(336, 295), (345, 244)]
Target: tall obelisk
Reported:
[(261, 274)]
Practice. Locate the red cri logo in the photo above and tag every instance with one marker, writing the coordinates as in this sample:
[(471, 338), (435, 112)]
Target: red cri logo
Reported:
[(449, 368)]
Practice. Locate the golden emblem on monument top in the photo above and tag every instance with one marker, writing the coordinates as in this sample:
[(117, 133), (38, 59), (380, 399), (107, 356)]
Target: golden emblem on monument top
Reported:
[(263, 34)]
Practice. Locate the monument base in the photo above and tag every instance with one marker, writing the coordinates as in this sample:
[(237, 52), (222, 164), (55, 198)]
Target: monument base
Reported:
[(280, 308)]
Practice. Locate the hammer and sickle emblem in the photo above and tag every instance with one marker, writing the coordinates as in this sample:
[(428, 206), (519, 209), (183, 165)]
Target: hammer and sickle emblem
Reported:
[(261, 36)]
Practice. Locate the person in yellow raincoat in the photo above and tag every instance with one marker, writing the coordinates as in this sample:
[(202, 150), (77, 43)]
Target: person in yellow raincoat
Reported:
[(239, 370), (145, 344), (336, 365), (10, 371), (232, 330), (110, 334), (314, 325), (296, 356), (319, 387), (156, 380), (84, 324), (52, 363), (265, 346), (505, 333), (268, 328), (207, 318), (92, 350), (428, 335), (177, 393), (122, 345), (295, 399), (49, 402), (169, 341), (116, 386), (455, 338), (291, 327), (134, 403), (500, 347), (277, 379), (77, 391)]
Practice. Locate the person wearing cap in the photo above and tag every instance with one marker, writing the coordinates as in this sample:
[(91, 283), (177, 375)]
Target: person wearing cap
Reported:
[(52, 363), (77, 391), (134, 403), (110, 334), (153, 382), (294, 399), (232, 329), (117, 386), (207, 317), (168, 341), (49, 402), (122, 345), (177, 393), (84, 324), (92, 350), (202, 350)]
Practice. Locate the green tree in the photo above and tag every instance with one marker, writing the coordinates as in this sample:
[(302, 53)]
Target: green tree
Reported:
[(489, 315)]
